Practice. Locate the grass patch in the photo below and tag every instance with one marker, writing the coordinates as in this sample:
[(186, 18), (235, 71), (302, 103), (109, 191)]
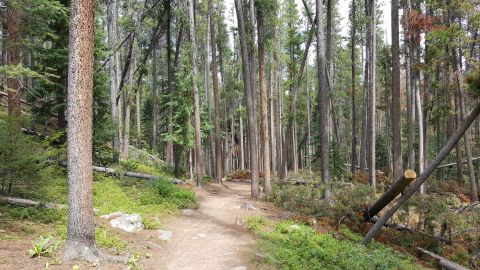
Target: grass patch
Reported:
[(288, 245), (109, 239)]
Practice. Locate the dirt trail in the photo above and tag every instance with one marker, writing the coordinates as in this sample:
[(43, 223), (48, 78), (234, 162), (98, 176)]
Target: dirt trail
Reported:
[(210, 237), (205, 238)]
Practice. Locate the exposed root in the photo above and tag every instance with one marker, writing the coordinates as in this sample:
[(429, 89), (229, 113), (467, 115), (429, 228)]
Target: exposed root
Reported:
[(90, 253)]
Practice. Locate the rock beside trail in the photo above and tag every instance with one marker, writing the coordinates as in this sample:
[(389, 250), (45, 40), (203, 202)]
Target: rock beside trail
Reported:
[(239, 268), (126, 222), (188, 212), (165, 235)]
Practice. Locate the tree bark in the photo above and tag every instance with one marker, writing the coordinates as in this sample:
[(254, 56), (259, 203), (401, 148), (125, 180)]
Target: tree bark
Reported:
[(218, 144), (323, 96), (396, 94), (169, 153), (196, 96), (250, 99), (426, 173), (263, 98), (154, 99), (13, 85), (353, 158), (372, 93), (80, 243), (112, 43)]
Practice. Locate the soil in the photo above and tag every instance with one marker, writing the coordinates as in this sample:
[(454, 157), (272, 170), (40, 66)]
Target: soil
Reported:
[(211, 237)]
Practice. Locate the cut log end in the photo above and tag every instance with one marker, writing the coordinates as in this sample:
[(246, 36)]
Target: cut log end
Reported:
[(410, 175)]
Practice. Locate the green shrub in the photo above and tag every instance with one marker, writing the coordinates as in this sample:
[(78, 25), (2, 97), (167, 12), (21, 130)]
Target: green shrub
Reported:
[(293, 246)]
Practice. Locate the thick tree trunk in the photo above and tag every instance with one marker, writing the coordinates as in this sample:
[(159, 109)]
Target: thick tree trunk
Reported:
[(426, 173), (196, 96), (80, 243), (216, 97), (323, 104), (281, 172), (263, 98), (250, 99)]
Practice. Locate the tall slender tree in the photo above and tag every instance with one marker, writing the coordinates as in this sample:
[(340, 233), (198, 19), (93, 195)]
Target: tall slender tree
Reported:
[(323, 97), (196, 96), (218, 144), (249, 97)]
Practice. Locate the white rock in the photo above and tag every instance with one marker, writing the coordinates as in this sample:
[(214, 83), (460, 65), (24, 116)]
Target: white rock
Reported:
[(201, 235), (128, 223), (165, 235), (188, 212), (239, 268)]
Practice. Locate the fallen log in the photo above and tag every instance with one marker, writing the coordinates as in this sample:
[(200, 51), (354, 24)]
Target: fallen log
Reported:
[(455, 164), (389, 195), (425, 174), (442, 262), (134, 174), (31, 203)]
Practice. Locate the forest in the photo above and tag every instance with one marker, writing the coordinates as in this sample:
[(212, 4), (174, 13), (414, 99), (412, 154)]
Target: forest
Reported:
[(239, 134)]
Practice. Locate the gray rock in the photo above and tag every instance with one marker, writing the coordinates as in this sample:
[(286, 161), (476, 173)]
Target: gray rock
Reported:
[(126, 222), (165, 235), (188, 212), (243, 267)]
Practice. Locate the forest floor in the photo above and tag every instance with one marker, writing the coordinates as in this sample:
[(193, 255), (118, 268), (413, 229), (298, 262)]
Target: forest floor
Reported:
[(210, 237)]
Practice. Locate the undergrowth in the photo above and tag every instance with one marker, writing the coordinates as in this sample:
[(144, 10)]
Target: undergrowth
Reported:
[(288, 245)]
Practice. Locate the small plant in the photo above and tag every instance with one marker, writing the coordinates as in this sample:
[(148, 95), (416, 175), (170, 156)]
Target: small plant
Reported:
[(44, 247), (133, 263)]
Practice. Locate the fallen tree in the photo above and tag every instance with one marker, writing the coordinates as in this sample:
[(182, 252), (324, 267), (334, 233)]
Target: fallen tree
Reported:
[(424, 175), (389, 195), (442, 262), (31, 203), (133, 174)]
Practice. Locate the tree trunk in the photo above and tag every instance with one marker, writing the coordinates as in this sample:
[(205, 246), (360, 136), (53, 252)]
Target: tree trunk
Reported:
[(250, 98), (353, 159), (263, 97), (13, 85), (169, 159), (396, 94), (80, 243), (466, 136), (218, 145), (324, 104), (196, 97), (112, 43), (372, 93), (154, 99)]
